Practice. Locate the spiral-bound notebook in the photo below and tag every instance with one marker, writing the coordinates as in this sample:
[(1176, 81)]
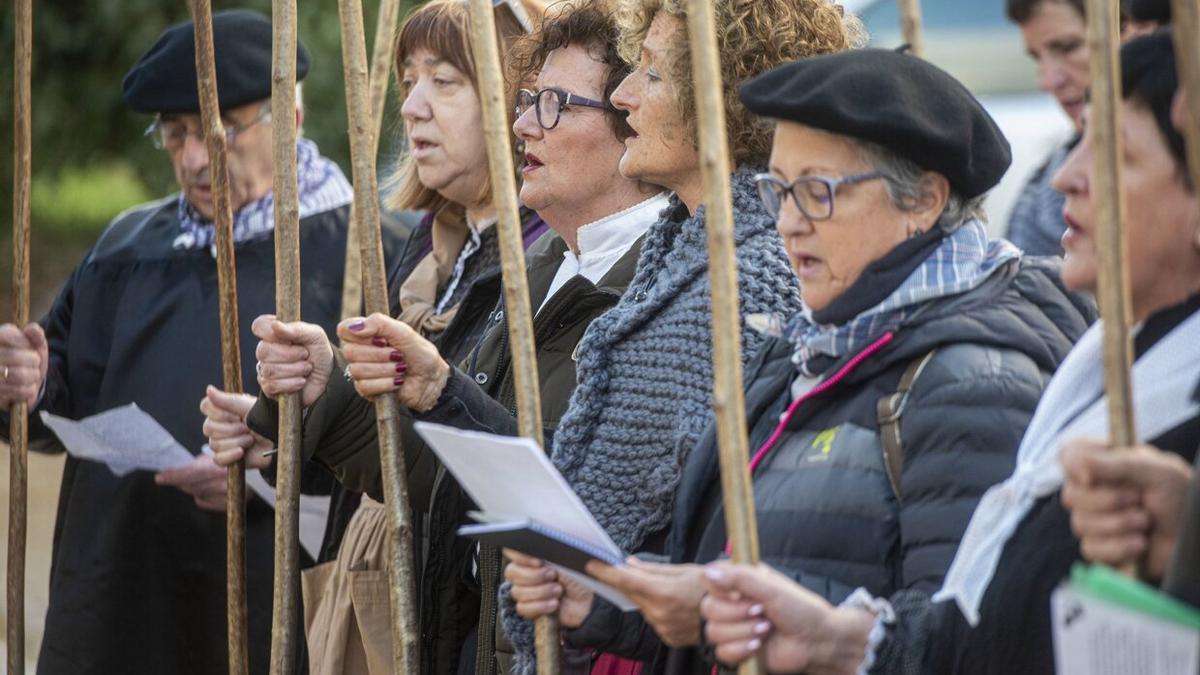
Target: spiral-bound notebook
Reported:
[(525, 501)]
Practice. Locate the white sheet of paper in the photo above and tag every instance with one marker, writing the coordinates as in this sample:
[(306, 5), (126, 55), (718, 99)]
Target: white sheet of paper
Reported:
[(1094, 637), (514, 477), (314, 510), (125, 438)]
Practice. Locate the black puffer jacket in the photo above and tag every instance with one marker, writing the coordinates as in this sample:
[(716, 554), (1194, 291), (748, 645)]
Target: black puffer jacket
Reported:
[(827, 514)]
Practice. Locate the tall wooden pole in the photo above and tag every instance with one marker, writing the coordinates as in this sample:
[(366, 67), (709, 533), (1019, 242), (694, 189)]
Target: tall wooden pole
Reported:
[(728, 402), (512, 263), (285, 614), (381, 67), (235, 505), (18, 458), (910, 26), (1113, 292), (400, 562), (1185, 15)]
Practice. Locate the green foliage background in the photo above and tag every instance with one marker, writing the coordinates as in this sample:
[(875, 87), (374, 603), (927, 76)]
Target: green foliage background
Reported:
[(89, 157)]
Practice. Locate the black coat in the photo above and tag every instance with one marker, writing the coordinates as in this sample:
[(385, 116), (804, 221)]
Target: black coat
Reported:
[(1014, 631), (827, 515), (137, 582)]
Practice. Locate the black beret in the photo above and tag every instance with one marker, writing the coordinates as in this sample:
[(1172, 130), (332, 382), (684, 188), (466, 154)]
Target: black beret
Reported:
[(895, 100), (164, 78)]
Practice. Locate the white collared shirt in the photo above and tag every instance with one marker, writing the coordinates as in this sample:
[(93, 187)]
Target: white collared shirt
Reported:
[(603, 242)]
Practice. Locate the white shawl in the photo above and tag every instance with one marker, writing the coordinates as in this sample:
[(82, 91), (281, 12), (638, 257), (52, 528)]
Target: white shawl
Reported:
[(1073, 406)]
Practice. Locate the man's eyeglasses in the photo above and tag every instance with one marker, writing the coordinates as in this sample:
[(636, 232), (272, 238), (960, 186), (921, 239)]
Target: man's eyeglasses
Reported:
[(813, 194), (549, 103), (171, 135)]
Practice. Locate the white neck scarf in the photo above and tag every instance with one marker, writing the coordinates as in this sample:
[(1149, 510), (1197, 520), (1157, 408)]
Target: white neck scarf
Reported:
[(1073, 406)]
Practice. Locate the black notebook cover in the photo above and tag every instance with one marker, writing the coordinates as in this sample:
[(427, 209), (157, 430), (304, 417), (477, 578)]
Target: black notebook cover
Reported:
[(532, 538)]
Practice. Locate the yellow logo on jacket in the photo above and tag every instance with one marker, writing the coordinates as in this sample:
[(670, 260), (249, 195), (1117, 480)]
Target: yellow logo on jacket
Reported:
[(824, 442)]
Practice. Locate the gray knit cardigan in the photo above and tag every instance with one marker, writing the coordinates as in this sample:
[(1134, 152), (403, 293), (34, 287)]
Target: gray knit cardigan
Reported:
[(644, 390)]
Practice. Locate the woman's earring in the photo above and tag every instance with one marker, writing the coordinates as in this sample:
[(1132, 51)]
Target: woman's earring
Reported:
[(915, 233)]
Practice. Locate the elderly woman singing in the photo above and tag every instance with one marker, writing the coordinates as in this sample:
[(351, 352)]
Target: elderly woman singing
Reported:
[(897, 396)]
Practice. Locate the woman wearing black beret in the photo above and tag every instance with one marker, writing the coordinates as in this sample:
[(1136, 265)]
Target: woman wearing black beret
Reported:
[(880, 414), (993, 613)]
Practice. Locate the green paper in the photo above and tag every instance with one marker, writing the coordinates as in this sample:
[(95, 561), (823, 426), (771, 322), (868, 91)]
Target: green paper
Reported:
[(1104, 583)]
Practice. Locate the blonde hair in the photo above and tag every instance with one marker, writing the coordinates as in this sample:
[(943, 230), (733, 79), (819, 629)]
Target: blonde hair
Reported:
[(443, 27), (753, 36)]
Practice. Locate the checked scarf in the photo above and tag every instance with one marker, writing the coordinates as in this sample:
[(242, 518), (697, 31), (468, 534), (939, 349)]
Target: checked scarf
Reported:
[(962, 261), (321, 185)]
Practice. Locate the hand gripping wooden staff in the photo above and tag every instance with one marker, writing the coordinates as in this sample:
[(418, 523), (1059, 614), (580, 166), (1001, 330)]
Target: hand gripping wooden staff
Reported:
[(284, 612), (1185, 14), (401, 586), (512, 263), (728, 403), (1113, 291), (231, 362), (18, 458), (910, 26), (381, 66)]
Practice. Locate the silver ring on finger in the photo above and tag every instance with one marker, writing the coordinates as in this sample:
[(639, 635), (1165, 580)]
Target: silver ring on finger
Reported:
[(258, 368), (347, 374), (6, 373)]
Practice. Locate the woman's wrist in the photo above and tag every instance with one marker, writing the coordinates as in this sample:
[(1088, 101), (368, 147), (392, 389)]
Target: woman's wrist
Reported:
[(433, 389), (841, 645)]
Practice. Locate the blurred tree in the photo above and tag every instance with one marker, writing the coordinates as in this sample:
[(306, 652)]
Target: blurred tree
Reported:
[(80, 54)]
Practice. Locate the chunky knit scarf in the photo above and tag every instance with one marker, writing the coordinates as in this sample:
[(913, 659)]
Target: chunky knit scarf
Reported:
[(962, 261), (644, 390), (321, 186)]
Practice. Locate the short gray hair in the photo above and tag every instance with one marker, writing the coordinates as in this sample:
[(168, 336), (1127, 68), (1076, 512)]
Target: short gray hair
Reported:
[(902, 179)]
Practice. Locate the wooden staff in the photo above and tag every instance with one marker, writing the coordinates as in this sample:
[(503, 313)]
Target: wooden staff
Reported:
[(235, 501), (381, 67), (284, 643), (728, 403), (1113, 292), (512, 264), (910, 26), (402, 586), (18, 458), (1185, 15)]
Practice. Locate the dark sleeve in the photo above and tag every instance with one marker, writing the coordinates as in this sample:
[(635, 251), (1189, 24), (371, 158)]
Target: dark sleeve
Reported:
[(464, 405), (961, 428), (904, 648), (608, 629)]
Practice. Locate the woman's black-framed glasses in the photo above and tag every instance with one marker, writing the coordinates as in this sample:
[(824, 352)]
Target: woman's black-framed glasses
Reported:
[(813, 194), (549, 103)]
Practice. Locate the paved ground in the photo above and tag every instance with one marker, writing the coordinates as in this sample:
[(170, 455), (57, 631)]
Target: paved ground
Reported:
[(45, 472)]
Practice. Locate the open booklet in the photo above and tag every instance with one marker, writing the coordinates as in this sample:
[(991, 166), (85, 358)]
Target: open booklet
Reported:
[(526, 503)]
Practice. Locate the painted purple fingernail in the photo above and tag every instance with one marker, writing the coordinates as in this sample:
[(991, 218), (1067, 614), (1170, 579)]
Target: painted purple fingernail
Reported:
[(357, 325), (398, 381), (762, 628), (397, 356), (379, 341), (401, 368), (754, 644), (755, 610)]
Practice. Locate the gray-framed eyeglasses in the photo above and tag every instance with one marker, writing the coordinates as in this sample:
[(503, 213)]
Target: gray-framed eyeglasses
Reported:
[(549, 103), (171, 135), (813, 194)]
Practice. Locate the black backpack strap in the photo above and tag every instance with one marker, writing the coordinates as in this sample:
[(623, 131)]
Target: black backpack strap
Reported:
[(888, 411)]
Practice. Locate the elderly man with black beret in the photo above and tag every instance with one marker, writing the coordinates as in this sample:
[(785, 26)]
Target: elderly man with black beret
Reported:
[(137, 583)]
